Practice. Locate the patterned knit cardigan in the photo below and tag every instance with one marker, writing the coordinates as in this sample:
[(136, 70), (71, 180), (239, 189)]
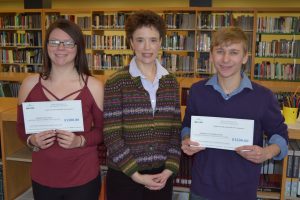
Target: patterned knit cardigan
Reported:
[(135, 138)]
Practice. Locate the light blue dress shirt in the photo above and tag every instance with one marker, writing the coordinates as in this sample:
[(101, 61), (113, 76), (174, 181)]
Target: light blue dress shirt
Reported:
[(150, 87)]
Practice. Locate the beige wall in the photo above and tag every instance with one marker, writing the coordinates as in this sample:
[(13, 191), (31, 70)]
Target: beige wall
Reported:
[(120, 3), (73, 4)]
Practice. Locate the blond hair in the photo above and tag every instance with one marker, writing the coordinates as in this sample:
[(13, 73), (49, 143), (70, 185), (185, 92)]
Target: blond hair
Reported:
[(229, 35)]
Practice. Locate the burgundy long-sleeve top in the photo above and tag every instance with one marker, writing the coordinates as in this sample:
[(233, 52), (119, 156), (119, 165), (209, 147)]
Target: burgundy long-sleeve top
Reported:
[(58, 167)]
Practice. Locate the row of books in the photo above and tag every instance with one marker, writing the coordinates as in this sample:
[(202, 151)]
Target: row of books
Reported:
[(88, 41), (50, 18), (21, 21), (109, 42), (32, 59), (278, 48), (175, 41), (172, 62), (21, 56), (9, 89), (292, 185), (277, 71), (84, 22), (178, 41), (89, 58), (205, 20), (203, 63), (203, 42), (33, 68), (53, 17), (283, 24), (212, 21), (178, 63), (22, 68), (180, 20), (108, 61), (4, 92), (8, 38), (110, 20)]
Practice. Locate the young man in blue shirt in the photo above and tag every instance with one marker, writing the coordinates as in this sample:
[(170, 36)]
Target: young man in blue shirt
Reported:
[(225, 174)]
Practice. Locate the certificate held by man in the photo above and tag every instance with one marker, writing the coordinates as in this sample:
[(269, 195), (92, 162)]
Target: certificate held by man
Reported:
[(50, 115), (221, 133)]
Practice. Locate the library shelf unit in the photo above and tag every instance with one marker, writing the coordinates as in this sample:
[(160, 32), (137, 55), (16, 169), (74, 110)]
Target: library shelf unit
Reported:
[(294, 133), (16, 157), (185, 52), (21, 40), (185, 48), (277, 45), (5, 105)]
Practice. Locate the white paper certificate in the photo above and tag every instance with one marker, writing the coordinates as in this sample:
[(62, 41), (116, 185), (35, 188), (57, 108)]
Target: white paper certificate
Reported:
[(50, 115), (221, 133)]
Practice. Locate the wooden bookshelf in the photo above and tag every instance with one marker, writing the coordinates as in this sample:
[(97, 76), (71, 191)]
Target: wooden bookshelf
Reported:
[(21, 40), (197, 23), (16, 172), (294, 133), (277, 43), (16, 175)]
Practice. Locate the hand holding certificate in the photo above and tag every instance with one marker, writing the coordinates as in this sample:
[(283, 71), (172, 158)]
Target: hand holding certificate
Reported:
[(50, 115), (221, 133)]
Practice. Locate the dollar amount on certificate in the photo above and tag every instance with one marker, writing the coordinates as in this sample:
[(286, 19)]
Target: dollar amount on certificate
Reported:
[(221, 133), (50, 115)]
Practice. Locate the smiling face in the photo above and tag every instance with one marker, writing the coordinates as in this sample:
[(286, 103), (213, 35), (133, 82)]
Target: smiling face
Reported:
[(146, 43), (61, 55), (228, 59)]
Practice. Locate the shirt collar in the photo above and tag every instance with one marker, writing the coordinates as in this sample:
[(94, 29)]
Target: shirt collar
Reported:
[(135, 71), (245, 83)]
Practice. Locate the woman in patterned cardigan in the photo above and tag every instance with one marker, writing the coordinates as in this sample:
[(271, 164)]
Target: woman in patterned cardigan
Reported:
[(142, 118)]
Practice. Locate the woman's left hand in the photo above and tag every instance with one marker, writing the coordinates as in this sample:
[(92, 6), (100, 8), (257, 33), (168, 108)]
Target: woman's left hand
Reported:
[(68, 140)]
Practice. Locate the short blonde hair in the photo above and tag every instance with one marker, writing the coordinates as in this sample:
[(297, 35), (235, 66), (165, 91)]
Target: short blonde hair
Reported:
[(228, 36)]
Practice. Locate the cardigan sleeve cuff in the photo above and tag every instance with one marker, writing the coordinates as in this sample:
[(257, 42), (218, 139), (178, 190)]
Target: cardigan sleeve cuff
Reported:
[(172, 165), (130, 168)]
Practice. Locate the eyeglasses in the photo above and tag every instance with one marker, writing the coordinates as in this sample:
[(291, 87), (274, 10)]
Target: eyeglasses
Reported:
[(66, 44)]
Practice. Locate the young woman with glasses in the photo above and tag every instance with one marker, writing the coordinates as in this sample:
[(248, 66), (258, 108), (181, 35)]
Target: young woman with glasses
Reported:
[(65, 164)]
